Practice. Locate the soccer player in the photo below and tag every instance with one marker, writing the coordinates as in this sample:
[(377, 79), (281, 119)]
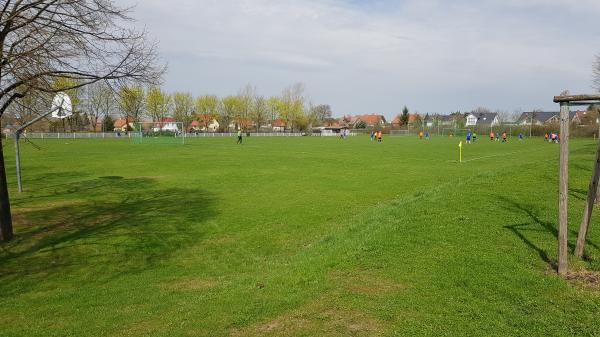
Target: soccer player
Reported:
[(427, 135), (547, 136), (474, 136), (379, 137), (239, 134), (421, 135), (372, 135), (469, 137), (504, 137), (492, 136)]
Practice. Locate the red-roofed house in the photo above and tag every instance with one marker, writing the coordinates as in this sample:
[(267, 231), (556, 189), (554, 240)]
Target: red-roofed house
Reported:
[(207, 123), (371, 120), (121, 124), (278, 125), (397, 121)]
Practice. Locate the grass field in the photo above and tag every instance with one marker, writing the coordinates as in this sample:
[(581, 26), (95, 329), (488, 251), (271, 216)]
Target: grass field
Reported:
[(295, 237)]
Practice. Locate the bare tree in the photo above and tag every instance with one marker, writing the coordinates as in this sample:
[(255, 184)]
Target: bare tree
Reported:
[(246, 99), (82, 40), (100, 102)]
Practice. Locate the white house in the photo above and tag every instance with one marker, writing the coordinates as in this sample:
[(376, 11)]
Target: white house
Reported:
[(482, 119)]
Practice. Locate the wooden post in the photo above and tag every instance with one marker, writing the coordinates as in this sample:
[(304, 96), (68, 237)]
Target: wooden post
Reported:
[(563, 258), (589, 206)]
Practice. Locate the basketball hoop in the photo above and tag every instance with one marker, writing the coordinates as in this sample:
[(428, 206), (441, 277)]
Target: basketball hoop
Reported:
[(61, 106)]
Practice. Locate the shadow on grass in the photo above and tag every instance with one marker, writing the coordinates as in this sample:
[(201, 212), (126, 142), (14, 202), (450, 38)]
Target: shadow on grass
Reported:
[(104, 226), (536, 225)]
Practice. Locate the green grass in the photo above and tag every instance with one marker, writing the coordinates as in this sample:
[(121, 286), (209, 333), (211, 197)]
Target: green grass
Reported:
[(294, 237)]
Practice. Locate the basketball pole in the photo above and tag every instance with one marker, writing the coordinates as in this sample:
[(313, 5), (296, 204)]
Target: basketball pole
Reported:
[(18, 133)]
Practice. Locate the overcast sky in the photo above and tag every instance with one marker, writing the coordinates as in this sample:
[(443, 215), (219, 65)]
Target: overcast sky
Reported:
[(377, 56)]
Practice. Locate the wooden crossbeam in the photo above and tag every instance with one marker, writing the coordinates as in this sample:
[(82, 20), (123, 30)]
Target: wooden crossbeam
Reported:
[(576, 98)]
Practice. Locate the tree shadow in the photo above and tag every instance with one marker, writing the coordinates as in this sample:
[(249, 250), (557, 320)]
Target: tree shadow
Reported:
[(536, 225), (578, 193), (105, 226)]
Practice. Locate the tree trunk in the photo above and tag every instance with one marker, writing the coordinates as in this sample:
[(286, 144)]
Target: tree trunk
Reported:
[(6, 230)]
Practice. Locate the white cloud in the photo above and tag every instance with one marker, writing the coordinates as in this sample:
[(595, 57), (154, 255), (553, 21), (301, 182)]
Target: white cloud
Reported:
[(365, 57)]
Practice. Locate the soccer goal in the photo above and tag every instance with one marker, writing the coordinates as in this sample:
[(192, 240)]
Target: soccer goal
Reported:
[(159, 133), (399, 132), (455, 132)]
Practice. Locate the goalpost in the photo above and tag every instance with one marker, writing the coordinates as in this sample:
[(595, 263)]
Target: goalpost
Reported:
[(159, 133), (399, 132), (455, 132)]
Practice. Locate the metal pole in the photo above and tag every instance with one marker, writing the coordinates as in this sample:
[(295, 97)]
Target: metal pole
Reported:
[(18, 161), (17, 152)]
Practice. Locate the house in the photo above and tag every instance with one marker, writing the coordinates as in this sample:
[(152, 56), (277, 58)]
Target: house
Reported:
[(205, 123), (371, 120), (542, 117), (584, 117), (330, 130), (412, 118), (482, 119), (279, 125), (166, 124), (242, 124), (7, 130), (123, 124)]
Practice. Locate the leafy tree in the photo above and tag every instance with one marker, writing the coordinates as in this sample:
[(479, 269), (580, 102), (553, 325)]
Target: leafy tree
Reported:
[(259, 111), (404, 116), (292, 104), (207, 109), (158, 104), (229, 110), (131, 102), (108, 123), (274, 105), (360, 124), (246, 101), (183, 108)]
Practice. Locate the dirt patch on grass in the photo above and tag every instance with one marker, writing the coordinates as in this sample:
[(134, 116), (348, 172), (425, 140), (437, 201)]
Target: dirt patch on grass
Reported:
[(318, 318), (187, 284), (365, 282), (25, 217), (584, 278)]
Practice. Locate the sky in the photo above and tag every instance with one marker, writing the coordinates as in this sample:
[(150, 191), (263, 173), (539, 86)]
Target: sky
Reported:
[(434, 56)]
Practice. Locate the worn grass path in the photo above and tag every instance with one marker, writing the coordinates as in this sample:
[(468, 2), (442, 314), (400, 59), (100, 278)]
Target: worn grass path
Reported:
[(295, 237)]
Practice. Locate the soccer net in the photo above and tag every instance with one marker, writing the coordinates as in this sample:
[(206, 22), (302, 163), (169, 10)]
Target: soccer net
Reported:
[(455, 132), (159, 133), (399, 132)]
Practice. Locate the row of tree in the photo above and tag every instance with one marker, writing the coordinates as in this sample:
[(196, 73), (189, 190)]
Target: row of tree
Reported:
[(95, 106)]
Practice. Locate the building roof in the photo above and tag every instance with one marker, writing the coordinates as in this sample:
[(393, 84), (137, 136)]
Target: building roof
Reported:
[(543, 116), (485, 118), (279, 123), (120, 122), (411, 118), (370, 119)]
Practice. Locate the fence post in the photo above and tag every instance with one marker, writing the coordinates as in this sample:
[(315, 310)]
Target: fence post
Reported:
[(563, 258)]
